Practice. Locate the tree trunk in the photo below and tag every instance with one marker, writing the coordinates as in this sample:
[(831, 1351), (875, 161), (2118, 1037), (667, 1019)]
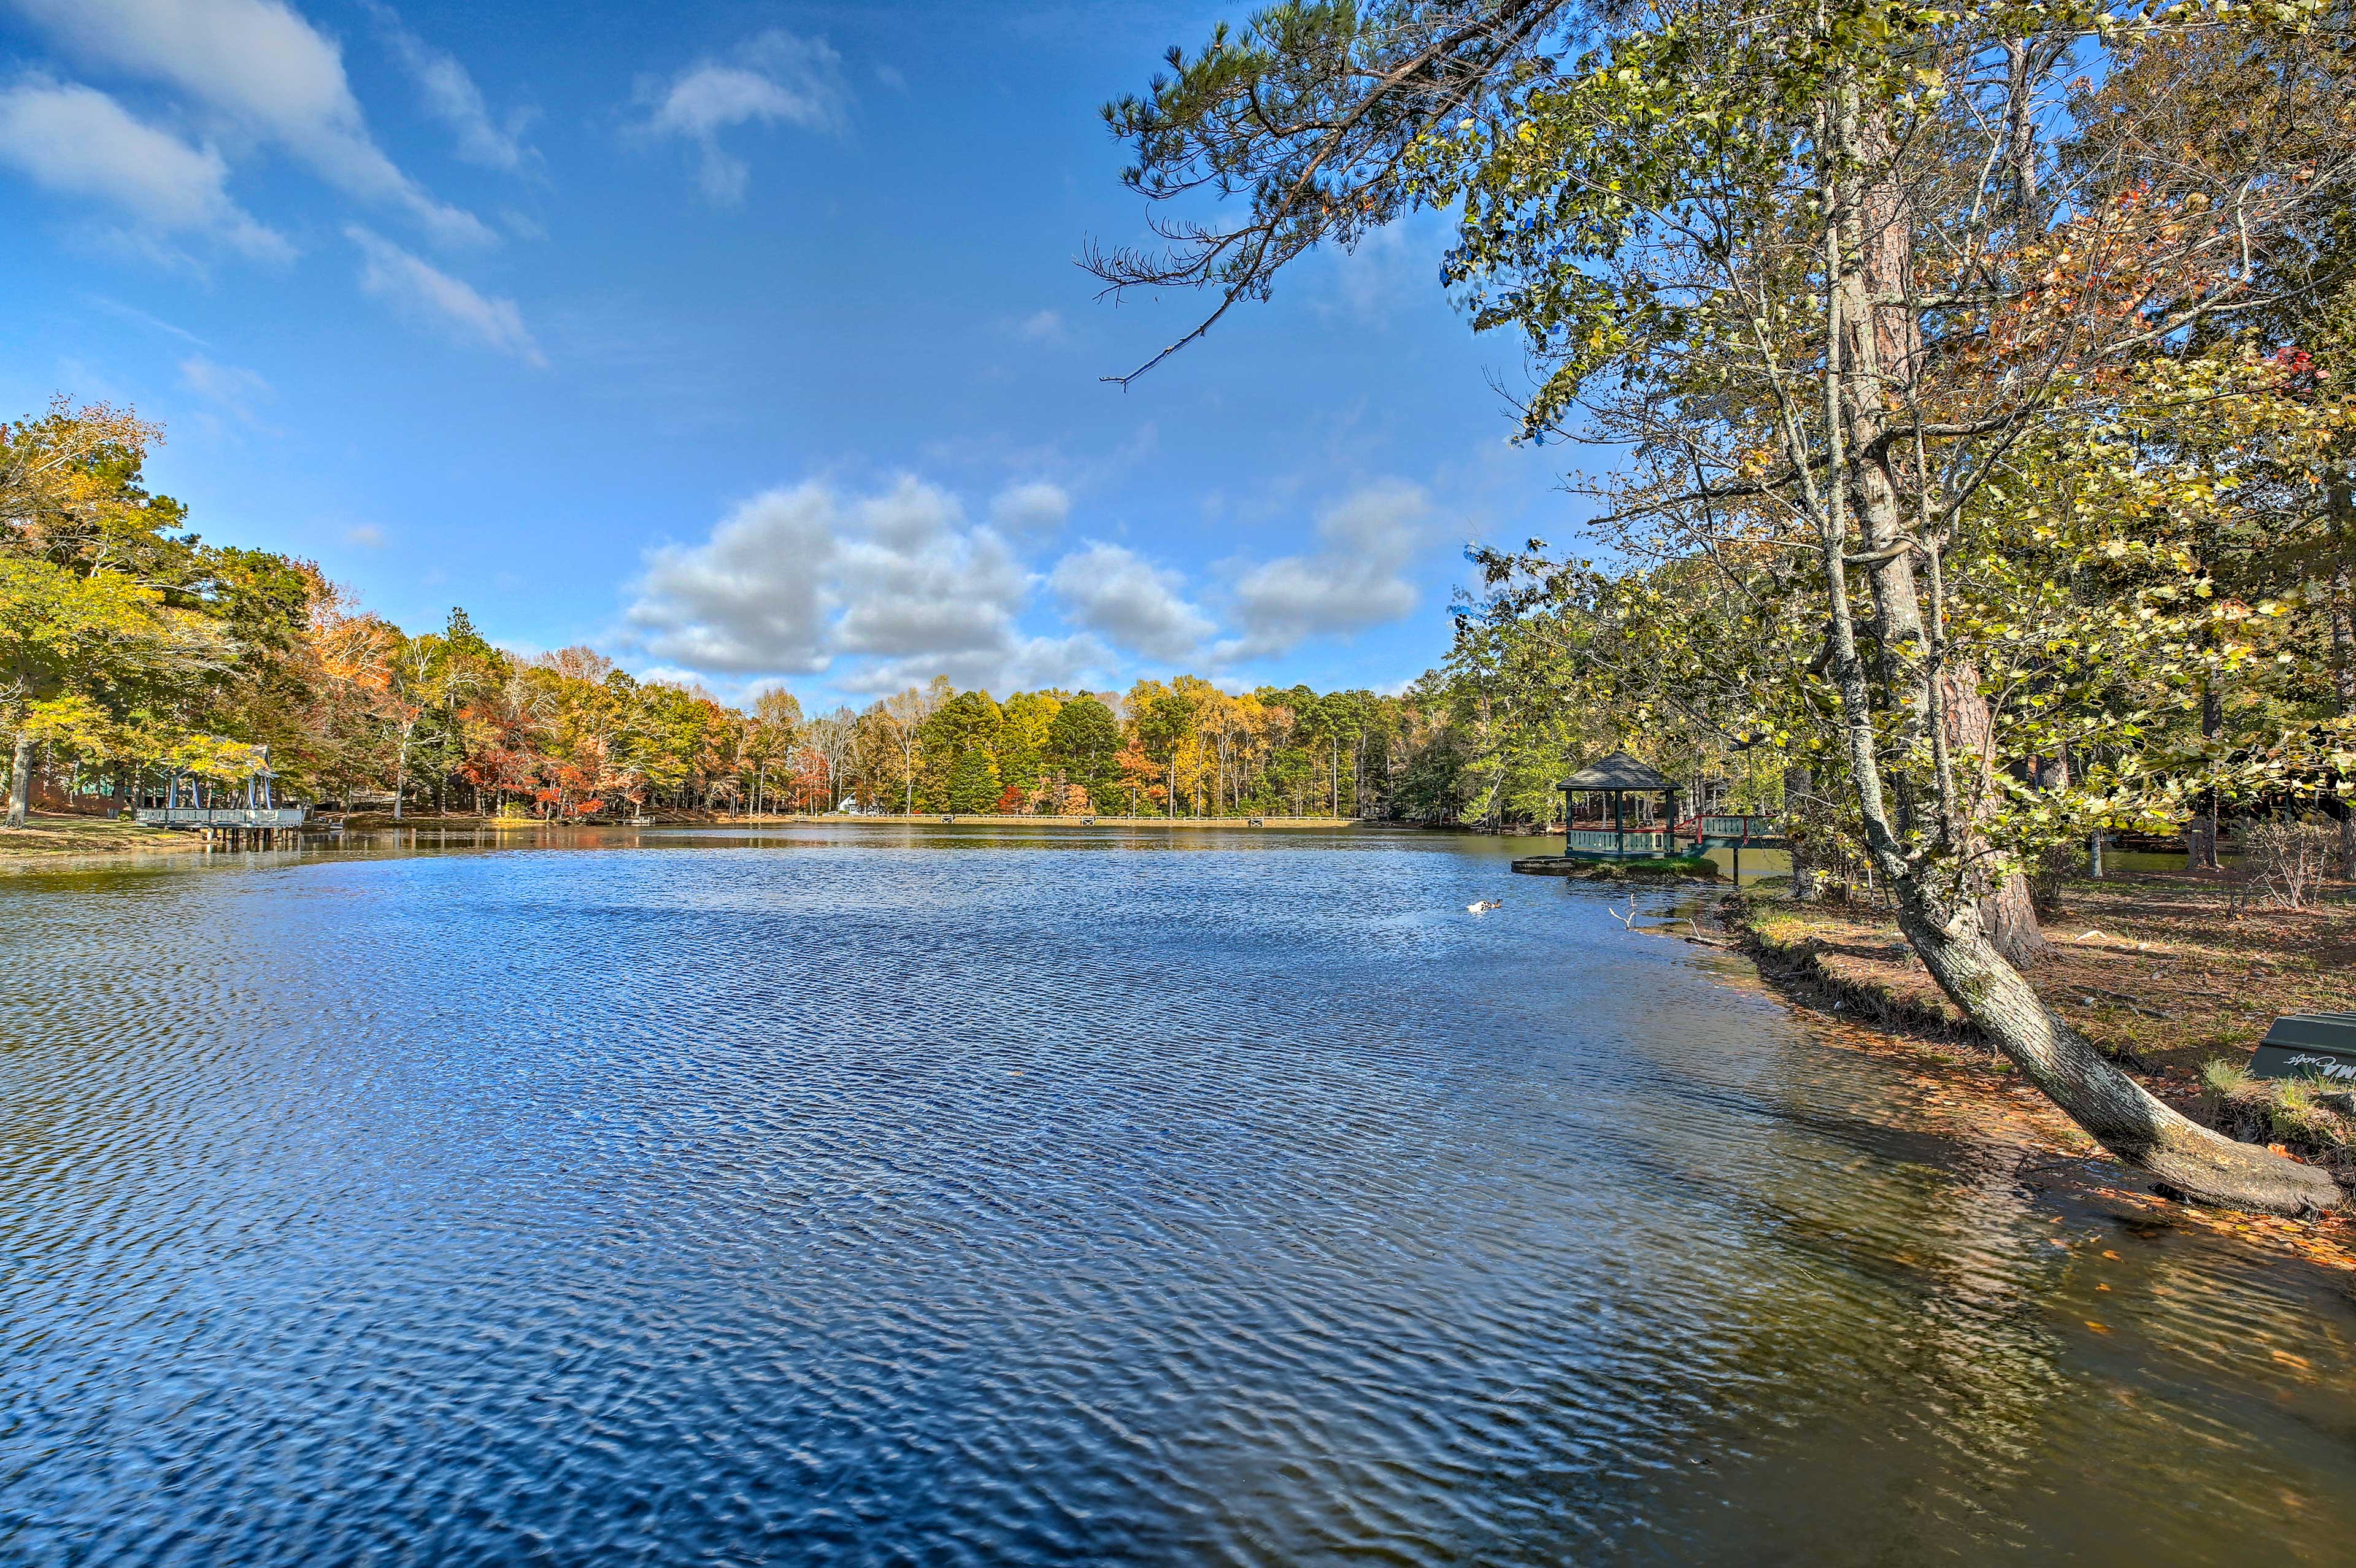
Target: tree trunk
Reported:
[(1952, 942), (400, 771), (1807, 880), (2201, 833), (2010, 917), (2020, 132), (2343, 675), (2007, 915), (20, 779)]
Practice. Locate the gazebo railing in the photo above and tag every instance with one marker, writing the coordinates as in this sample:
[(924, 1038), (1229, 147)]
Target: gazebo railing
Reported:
[(1635, 841)]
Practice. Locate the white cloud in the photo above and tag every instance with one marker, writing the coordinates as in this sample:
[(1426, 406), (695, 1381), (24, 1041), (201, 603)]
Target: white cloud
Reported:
[(1353, 580), (1035, 507), (914, 579), (749, 599), (260, 71), (891, 587), (1042, 326), (451, 96), (235, 392), (79, 141), (1137, 605), (365, 535), (686, 680), (894, 587), (1025, 666), (776, 77), (392, 273)]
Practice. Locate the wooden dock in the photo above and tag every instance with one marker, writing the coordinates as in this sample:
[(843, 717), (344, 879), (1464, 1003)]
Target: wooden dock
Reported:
[(231, 826)]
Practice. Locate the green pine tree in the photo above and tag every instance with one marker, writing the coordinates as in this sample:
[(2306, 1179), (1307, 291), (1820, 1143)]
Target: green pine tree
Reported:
[(973, 783)]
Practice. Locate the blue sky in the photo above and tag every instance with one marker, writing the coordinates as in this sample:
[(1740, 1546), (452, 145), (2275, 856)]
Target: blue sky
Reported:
[(743, 341)]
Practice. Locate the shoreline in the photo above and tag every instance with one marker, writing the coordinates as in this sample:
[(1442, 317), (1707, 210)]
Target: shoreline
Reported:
[(58, 837), (48, 837), (2186, 987), (375, 821)]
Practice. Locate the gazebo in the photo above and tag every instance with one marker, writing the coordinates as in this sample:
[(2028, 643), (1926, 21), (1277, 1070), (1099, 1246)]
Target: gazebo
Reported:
[(1618, 776)]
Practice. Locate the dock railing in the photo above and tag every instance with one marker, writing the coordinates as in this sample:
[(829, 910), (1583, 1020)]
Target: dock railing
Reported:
[(223, 817), (1740, 829)]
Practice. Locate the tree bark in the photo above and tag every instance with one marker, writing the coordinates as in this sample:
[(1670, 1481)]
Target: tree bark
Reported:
[(1808, 882), (2025, 62), (20, 779), (2007, 914), (2343, 680), (2201, 833), (401, 769)]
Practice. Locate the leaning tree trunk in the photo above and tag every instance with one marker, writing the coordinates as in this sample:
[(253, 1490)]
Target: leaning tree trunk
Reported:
[(20, 779), (1881, 346), (1867, 353), (2343, 678), (1957, 948), (2110, 1105)]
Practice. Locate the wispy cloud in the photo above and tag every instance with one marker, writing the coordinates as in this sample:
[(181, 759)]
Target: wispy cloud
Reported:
[(451, 96), (77, 140), (262, 71), (1041, 327), (776, 78), (1033, 508), (420, 289), (234, 390), (132, 313)]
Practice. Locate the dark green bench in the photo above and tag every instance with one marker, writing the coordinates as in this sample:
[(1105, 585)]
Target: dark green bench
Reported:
[(2309, 1045)]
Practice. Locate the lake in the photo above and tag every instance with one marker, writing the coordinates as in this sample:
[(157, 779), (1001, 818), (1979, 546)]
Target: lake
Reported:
[(895, 1195)]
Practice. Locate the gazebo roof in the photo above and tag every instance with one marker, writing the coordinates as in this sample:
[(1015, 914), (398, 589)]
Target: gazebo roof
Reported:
[(1619, 771)]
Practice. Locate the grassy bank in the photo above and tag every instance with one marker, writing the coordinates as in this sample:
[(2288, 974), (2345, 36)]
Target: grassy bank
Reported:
[(46, 835), (2150, 967)]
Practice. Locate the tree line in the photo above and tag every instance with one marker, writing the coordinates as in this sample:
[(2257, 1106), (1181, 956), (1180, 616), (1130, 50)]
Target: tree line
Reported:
[(135, 653)]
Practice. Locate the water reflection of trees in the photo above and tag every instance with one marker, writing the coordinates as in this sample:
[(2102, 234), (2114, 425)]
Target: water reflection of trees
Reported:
[(1901, 1360)]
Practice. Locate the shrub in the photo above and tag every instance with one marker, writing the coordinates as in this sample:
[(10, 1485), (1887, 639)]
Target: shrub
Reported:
[(2049, 870), (2289, 860)]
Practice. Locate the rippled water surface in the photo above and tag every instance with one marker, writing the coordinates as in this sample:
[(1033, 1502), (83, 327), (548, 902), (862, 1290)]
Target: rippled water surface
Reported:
[(889, 1196)]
